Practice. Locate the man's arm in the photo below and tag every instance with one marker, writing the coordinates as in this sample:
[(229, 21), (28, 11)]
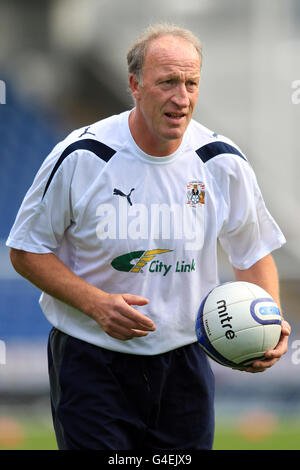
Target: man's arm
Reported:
[(264, 273), (113, 312)]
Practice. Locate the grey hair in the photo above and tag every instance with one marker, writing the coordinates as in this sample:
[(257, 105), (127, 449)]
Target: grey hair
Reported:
[(137, 52)]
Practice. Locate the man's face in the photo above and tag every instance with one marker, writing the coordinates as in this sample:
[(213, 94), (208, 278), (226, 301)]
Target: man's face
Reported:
[(166, 98)]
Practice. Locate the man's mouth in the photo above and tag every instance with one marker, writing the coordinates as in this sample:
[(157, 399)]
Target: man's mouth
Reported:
[(175, 116)]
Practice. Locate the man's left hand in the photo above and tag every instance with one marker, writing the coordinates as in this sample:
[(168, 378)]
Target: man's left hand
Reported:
[(272, 355)]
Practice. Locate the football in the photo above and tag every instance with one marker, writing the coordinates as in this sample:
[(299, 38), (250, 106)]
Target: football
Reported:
[(237, 322)]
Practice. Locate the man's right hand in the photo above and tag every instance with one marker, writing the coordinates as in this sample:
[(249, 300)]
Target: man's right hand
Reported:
[(119, 319)]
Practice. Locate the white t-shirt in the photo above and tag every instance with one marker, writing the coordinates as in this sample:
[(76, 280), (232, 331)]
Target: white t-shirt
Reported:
[(129, 222)]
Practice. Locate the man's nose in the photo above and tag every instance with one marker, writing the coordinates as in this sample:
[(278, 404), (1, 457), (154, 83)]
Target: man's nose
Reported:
[(181, 97)]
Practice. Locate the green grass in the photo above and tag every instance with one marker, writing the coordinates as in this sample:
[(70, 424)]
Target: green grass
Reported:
[(284, 436), (22, 433), (35, 434)]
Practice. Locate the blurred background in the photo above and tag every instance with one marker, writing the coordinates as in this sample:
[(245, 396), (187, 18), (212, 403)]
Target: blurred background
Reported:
[(63, 66)]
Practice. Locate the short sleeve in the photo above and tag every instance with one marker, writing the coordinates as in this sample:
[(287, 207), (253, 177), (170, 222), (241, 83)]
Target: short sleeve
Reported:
[(249, 232), (43, 218)]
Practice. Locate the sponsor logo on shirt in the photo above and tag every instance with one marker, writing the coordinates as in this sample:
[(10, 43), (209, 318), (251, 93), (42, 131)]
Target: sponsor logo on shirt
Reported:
[(150, 261)]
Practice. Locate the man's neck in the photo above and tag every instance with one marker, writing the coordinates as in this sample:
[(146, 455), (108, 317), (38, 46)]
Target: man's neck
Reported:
[(147, 142)]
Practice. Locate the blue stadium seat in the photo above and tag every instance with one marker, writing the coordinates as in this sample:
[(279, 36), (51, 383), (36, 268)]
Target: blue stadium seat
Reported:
[(26, 138), (20, 314)]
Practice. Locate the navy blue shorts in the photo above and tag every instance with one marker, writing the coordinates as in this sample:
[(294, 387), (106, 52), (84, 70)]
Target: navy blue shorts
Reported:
[(106, 400)]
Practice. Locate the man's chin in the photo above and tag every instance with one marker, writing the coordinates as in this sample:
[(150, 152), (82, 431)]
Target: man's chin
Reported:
[(174, 134)]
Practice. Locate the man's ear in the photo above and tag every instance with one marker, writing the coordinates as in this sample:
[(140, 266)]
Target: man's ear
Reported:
[(134, 86)]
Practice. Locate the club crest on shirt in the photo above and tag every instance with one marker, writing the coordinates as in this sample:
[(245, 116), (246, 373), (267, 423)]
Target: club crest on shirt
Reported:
[(195, 193)]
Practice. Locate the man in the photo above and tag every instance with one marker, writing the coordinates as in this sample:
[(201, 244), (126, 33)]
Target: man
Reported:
[(106, 232)]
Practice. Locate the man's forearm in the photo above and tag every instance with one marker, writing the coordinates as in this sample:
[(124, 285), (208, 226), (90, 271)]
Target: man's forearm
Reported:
[(264, 273), (51, 275), (113, 312)]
